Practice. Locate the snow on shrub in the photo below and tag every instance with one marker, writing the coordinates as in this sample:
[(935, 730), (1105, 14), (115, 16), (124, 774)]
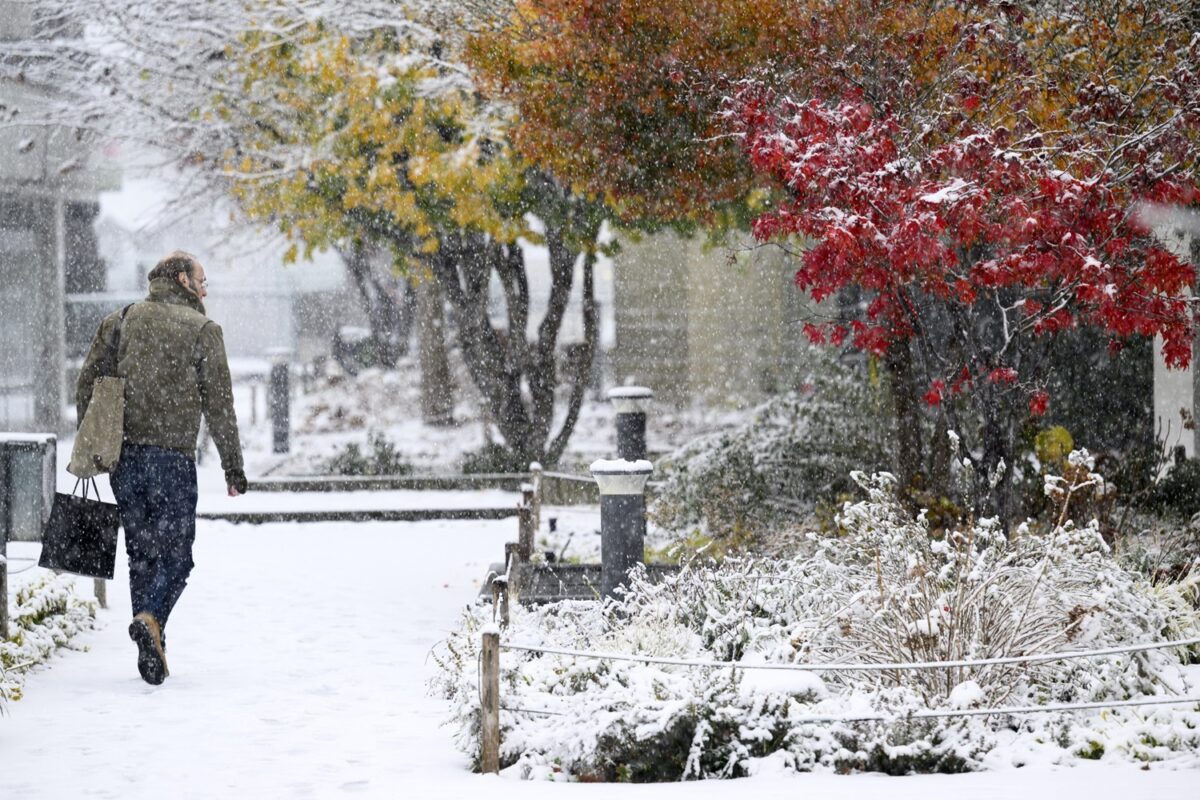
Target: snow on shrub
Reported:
[(795, 450), (44, 615), (887, 589)]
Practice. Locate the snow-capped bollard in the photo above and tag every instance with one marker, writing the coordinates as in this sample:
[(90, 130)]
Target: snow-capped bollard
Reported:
[(622, 518), (280, 398), (631, 402)]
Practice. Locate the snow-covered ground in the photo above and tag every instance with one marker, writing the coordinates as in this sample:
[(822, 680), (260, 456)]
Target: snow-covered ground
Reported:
[(298, 659), (299, 656), (298, 667)]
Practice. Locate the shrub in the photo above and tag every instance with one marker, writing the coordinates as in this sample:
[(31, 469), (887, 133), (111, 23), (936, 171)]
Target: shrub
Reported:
[(886, 589), (1179, 491), (493, 458), (381, 458), (796, 450)]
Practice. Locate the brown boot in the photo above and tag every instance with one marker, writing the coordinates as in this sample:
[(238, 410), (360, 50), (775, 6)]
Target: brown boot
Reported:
[(147, 635)]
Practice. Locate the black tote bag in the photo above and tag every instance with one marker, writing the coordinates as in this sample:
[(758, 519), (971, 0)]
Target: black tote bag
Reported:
[(81, 536)]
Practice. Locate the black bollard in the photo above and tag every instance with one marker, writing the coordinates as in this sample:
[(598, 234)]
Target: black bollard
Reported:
[(280, 401), (631, 402), (622, 519)]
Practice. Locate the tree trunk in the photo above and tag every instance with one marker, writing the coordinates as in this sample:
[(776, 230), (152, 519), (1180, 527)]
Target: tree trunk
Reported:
[(517, 377), (995, 482), (385, 307), (940, 453), (583, 366), (437, 388), (463, 267), (909, 460)]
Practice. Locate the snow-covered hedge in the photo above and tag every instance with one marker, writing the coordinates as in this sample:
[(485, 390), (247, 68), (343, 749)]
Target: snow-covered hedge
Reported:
[(794, 451), (885, 590), (43, 616)]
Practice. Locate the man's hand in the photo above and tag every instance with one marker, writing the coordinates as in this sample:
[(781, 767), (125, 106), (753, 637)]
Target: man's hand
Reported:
[(235, 481)]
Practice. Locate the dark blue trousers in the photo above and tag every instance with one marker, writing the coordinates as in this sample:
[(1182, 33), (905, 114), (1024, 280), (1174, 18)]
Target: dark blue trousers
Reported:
[(156, 497)]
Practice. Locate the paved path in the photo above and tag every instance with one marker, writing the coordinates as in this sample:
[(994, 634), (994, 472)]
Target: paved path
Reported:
[(298, 658)]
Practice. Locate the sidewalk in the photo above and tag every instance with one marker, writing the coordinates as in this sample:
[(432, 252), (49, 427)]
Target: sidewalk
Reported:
[(298, 663)]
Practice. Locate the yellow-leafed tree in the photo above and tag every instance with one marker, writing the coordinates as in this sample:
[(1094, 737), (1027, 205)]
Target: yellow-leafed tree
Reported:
[(378, 140)]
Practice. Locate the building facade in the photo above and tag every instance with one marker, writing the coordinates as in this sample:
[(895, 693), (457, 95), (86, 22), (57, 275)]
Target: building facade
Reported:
[(722, 324), (49, 182), (1176, 393)]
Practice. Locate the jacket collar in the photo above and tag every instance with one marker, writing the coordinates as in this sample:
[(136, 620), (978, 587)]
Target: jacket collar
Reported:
[(169, 290)]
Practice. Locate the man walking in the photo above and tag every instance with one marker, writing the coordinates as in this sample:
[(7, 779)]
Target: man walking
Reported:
[(172, 358)]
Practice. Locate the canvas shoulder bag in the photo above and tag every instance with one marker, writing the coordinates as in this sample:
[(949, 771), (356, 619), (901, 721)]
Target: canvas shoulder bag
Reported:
[(98, 441)]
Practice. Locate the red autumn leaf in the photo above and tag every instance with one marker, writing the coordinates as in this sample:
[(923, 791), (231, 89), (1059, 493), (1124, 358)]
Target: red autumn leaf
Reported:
[(814, 333), (1039, 403), (934, 396)]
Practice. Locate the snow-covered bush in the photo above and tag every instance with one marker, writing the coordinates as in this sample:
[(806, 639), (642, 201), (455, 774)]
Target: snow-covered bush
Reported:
[(885, 590), (795, 450), (43, 615), (381, 458)]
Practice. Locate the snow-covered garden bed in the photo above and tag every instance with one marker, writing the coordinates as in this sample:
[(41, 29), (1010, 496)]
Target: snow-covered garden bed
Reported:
[(44, 614), (885, 589)]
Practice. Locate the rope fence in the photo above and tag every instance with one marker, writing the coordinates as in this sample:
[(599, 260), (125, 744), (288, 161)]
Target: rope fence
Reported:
[(991, 712), (806, 719), (868, 667), (563, 476), (491, 707)]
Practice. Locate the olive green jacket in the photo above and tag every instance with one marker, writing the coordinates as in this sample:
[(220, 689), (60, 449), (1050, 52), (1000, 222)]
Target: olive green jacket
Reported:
[(172, 358)]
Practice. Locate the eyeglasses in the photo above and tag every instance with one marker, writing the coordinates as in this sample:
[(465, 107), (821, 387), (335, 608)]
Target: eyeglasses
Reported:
[(203, 283)]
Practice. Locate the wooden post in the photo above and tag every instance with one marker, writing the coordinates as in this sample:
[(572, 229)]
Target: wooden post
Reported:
[(522, 557), (525, 530), (500, 600), (535, 472), (512, 566), (102, 592), (495, 599), (489, 702), (503, 603)]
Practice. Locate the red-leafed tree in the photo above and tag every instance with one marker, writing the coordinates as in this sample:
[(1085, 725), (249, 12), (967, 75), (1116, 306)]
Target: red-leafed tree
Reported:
[(1037, 125), (974, 252)]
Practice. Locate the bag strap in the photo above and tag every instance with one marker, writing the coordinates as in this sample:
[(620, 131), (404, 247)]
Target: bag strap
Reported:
[(95, 488), (114, 346)]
